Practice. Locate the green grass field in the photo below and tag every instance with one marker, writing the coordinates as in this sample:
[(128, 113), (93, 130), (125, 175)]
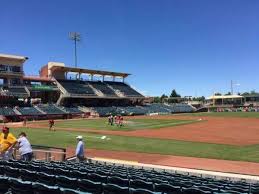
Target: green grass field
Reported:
[(130, 124), (226, 114), (144, 145), (64, 138)]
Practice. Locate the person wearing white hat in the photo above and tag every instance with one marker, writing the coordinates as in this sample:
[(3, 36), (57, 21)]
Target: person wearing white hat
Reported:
[(80, 149)]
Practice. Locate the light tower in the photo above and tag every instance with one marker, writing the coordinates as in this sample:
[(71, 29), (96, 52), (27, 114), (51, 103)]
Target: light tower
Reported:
[(76, 37)]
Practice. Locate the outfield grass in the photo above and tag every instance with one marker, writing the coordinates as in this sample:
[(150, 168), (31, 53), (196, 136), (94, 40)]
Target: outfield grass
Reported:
[(130, 124), (226, 114), (145, 145)]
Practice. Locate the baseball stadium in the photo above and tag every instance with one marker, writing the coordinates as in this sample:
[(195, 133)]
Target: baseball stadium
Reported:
[(157, 148)]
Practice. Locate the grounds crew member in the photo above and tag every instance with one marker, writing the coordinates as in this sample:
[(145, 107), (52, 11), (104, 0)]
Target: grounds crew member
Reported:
[(80, 150), (7, 142)]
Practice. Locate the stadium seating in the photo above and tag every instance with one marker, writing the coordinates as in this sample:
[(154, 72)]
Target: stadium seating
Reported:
[(124, 88), (71, 110), (50, 109), (103, 88), (6, 111), (17, 91), (77, 87), (67, 177), (28, 111), (142, 110)]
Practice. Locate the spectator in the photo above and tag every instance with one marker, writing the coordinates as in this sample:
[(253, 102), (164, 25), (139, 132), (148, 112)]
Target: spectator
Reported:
[(7, 142), (25, 149), (80, 149)]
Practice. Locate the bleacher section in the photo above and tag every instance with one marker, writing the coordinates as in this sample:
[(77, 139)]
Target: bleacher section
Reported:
[(124, 88), (71, 110), (28, 111), (103, 88), (142, 110), (67, 177), (77, 87), (6, 111), (50, 109), (17, 91)]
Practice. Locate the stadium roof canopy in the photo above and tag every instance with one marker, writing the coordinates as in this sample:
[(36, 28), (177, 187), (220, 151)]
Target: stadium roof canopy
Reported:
[(88, 71), (15, 57), (225, 97)]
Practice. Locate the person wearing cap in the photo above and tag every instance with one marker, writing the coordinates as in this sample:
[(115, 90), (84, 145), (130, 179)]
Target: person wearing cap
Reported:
[(80, 149), (7, 142), (25, 148)]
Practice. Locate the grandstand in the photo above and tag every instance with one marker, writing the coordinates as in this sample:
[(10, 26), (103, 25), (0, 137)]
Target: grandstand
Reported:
[(53, 93)]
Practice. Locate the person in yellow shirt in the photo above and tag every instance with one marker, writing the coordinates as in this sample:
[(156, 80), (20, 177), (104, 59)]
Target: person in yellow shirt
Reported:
[(7, 142)]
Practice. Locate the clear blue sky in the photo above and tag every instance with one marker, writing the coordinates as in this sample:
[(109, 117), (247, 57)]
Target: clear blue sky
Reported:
[(194, 46)]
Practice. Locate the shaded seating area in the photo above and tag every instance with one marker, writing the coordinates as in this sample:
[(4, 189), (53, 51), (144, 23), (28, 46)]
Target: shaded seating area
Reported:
[(103, 88), (68, 177), (71, 110), (50, 109), (6, 111), (77, 87), (16, 91), (124, 88), (28, 111)]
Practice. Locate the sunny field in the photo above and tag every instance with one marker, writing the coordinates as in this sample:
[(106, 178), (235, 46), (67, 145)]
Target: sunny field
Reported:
[(144, 145), (130, 124)]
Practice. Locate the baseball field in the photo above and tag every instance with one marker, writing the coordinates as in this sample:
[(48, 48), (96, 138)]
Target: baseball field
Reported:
[(227, 136)]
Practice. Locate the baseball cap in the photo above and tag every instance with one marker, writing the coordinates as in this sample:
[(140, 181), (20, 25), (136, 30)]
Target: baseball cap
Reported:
[(79, 137)]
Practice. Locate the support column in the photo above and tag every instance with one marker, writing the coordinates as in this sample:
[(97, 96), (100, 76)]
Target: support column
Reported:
[(113, 78), (103, 78), (91, 77)]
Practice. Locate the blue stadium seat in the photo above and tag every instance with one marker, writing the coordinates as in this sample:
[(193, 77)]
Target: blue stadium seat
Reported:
[(118, 181), (97, 178), (39, 188), (136, 184), (4, 184), (27, 175), (167, 188), (90, 186), (141, 191), (66, 182), (20, 187), (114, 189), (12, 172), (46, 179)]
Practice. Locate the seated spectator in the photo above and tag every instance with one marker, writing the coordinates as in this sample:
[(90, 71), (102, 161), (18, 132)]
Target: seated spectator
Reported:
[(7, 142), (25, 148)]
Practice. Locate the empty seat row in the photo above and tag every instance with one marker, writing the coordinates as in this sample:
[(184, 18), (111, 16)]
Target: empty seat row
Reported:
[(96, 175)]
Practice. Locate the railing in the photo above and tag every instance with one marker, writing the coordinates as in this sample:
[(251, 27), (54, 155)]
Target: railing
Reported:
[(45, 153)]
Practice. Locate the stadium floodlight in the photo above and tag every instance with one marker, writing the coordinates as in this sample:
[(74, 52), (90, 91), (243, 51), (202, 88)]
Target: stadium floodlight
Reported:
[(232, 86), (76, 37)]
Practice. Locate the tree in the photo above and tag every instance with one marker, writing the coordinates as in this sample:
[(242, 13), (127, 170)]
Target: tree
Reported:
[(227, 94), (245, 94), (201, 99), (157, 99), (217, 94), (174, 94), (163, 97)]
